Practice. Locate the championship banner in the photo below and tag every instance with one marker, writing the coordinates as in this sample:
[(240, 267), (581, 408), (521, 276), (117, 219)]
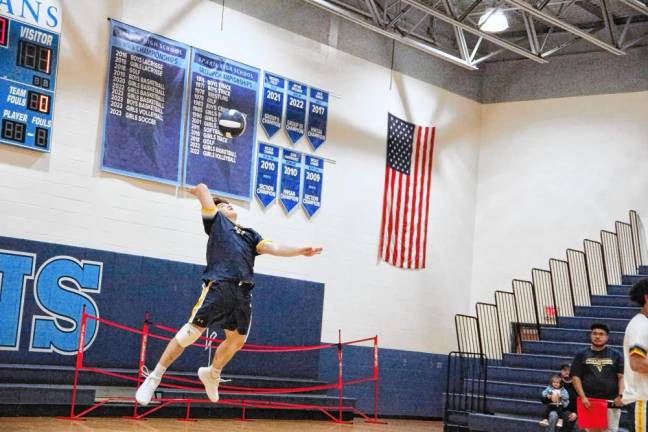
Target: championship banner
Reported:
[(317, 117), (313, 177), (144, 106), (274, 93), (267, 173), (291, 167), (223, 164), (296, 110)]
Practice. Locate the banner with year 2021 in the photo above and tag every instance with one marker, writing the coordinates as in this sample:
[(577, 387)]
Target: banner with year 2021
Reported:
[(223, 164), (274, 93), (144, 106)]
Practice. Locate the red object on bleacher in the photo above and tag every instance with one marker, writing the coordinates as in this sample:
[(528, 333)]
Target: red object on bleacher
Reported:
[(596, 417)]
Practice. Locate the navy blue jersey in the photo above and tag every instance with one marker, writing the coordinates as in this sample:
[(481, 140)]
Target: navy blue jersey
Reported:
[(231, 249)]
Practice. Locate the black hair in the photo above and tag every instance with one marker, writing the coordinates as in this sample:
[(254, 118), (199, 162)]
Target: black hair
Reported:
[(565, 366), (638, 291), (218, 201), (600, 326), (555, 377)]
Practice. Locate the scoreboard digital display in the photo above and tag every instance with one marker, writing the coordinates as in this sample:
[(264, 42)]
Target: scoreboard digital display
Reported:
[(28, 63)]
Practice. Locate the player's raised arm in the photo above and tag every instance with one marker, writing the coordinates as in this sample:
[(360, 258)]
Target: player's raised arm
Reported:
[(272, 248), (201, 191)]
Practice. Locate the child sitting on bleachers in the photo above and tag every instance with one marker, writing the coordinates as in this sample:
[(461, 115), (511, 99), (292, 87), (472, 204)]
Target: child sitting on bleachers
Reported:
[(558, 400)]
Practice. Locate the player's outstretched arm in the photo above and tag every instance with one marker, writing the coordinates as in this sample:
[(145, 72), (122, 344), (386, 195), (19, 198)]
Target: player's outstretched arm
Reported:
[(271, 248), (201, 191)]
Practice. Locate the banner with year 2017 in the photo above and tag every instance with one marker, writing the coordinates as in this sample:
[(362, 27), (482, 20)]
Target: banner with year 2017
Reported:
[(267, 173), (296, 98), (311, 197), (289, 185), (144, 106), (223, 164), (317, 117), (274, 93)]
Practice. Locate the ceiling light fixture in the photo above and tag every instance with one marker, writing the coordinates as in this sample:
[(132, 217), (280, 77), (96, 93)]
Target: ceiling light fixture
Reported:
[(493, 21)]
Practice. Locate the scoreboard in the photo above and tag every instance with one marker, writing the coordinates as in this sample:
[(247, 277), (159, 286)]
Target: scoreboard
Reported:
[(28, 63)]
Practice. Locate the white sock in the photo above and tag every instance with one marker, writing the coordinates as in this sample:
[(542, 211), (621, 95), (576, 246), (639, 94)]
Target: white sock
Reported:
[(159, 370), (215, 373)]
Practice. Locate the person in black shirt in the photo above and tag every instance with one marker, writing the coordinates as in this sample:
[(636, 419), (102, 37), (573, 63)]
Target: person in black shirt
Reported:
[(226, 294), (570, 411), (598, 373)]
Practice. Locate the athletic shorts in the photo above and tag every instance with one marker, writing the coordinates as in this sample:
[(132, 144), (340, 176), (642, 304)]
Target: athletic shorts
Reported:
[(224, 304)]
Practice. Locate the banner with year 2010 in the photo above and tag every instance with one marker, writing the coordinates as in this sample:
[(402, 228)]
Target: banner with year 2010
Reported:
[(317, 117), (144, 106), (223, 164), (267, 173), (274, 93), (289, 186), (311, 197)]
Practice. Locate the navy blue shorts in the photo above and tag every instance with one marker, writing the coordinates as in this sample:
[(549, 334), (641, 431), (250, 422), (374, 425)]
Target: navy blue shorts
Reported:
[(226, 304)]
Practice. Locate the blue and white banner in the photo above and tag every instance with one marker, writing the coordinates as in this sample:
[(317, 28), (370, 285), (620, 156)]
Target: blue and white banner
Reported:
[(267, 173), (223, 164), (144, 106), (311, 197), (291, 168), (296, 110), (274, 93), (317, 117)]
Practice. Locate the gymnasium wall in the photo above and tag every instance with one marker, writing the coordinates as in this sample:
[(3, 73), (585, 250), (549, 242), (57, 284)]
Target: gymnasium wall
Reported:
[(64, 198), (552, 173)]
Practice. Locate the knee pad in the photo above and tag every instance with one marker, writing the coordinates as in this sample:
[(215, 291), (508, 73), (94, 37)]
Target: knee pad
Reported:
[(187, 335)]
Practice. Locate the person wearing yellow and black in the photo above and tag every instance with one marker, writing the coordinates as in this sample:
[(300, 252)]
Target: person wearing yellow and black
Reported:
[(226, 292), (635, 348), (598, 373)]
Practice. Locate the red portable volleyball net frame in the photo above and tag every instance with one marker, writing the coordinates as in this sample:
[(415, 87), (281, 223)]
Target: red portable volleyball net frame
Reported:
[(183, 383)]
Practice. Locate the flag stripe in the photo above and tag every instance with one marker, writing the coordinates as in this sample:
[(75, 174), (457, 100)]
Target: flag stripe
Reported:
[(427, 200), (391, 214), (384, 212), (415, 184), (420, 200)]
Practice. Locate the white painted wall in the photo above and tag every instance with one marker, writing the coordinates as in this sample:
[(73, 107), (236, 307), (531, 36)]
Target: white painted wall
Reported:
[(552, 173), (64, 198)]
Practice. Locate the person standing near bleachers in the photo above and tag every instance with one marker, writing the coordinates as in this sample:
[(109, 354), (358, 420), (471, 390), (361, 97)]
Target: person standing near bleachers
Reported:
[(598, 374), (635, 348)]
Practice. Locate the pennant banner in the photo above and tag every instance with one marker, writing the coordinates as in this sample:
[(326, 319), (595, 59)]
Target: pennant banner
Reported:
[(274, 93), (313, 178), (223, 164), (267, 173), (296, 110), (291, 168), (144, 106), (317, 117)]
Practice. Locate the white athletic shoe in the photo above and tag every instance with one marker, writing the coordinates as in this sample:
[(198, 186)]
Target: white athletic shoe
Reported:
[(145, 391), (210, 383)]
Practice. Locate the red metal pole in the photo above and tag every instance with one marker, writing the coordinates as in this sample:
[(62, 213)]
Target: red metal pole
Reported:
[(375, 376), (79, 359), (340, 384), (142, 355)]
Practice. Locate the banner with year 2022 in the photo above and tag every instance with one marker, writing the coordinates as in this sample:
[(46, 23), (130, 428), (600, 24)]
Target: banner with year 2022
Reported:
[(144, 106), (223, 164)]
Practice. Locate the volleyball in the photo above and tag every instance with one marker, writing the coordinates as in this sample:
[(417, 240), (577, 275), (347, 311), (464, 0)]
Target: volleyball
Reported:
[(231, 123)]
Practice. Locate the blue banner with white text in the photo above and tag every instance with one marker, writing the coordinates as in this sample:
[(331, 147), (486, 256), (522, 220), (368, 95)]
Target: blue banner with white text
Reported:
[(291, 168), (296, 110), (144, 105), (317, 117), (267, 173), (274, 93), (313, 178), (224, 164)]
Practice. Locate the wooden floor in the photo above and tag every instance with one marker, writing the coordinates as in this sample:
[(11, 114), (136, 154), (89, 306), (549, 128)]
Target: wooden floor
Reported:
[(49, 424)]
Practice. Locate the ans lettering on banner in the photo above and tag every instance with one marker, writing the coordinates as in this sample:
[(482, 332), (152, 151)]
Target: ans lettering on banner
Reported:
[(313, 179), (317, 117), (291, 168), (274, 93), (296, 110), (267, 174)]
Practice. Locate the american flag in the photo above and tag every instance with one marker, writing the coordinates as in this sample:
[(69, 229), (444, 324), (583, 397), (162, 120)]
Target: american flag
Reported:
[(406, 200)]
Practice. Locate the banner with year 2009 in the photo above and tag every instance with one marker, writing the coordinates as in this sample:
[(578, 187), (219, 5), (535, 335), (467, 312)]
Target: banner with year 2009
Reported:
[(267, 173), (224, 164), (311, 196), (291, 168)]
